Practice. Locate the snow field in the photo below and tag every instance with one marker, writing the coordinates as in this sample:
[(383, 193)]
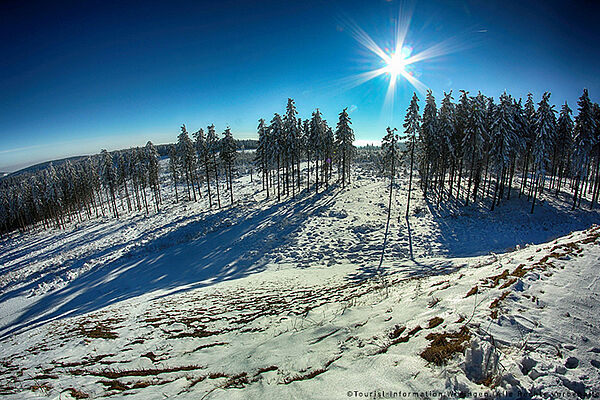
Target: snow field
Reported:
[(269, 300)]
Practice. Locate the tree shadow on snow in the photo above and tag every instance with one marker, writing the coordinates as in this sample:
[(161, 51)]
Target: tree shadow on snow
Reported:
[(227, 244), (475, 230)]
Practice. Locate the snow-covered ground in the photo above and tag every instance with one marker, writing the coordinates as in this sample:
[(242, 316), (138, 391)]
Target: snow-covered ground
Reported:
[(285, 300)]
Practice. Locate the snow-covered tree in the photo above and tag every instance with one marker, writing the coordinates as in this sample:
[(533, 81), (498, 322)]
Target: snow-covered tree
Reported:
[(564, 144), (109, 177), (344, 140), (228, 154), (584, 141), (153, 173), (503, 139), (212, 147), (174, 169), (427, 139), (187, 158), (545, 131), (411, 130)]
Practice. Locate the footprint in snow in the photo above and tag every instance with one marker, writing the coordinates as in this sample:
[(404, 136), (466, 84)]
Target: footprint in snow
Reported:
[(595, 363)]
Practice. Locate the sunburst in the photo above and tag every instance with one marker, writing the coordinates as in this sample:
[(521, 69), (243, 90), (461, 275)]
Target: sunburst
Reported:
[(397, 62)]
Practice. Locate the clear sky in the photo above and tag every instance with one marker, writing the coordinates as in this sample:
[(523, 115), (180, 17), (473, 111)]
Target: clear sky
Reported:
[(77, 77)]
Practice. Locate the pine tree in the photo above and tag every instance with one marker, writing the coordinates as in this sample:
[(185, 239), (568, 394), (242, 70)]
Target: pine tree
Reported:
[(276, 134), (261, 155), (545, 130), (463, 112), (212, 148), (584, 141), (110, 178), (153, 173), (473, 143), (188, 160), (317, 131), (204, 158), (443, 143), (389, 147), (411, 130), (174, 169), (428, 136), (503, 133), (564, 143), (344, 139), (228, 154), (291, 145), (528, 135)]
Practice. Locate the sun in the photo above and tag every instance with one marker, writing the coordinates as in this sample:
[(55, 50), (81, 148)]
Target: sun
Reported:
[(395, 65)]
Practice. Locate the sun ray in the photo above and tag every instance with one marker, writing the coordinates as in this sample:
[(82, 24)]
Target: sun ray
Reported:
[(397, 60)]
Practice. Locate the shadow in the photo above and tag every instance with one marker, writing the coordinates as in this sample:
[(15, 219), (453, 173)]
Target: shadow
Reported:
[(227, 244), (410, 242), (474, 230)]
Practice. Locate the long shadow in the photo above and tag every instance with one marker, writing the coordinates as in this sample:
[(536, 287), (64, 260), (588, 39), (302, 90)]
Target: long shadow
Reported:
[(225, 245), (50, 272), (475, 230)]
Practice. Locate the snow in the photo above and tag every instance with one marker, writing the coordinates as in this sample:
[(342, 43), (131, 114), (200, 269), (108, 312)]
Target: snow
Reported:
[(285, 300)]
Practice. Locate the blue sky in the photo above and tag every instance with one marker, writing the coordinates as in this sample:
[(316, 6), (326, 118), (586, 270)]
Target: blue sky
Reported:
[(77, 77)]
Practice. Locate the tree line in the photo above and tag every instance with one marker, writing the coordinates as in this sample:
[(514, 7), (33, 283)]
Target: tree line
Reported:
[(113, 183), (287, 141), (479, 149)]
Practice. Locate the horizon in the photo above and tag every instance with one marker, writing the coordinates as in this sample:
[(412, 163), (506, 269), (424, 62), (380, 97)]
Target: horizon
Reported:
[(81, 78)]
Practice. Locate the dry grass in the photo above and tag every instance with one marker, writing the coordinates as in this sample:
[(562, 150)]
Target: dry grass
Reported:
[(267, 369), (115, 374), (508, 283), (197, 333), (304, 377), (115, 385), (495, 280), (445, 345), (520, 271), (206, 346), (100, 331), (396, 332), (473, 291), (435, 321), (78, 394)]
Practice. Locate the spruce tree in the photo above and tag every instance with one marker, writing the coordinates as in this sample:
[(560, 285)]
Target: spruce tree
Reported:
[(344, 139), (228, 154), (411, 130)]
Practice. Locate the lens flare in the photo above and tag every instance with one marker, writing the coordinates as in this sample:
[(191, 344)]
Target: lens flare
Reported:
[(398, 62)]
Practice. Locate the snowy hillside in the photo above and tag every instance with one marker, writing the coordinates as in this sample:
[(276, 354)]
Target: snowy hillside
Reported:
[(285, 300)]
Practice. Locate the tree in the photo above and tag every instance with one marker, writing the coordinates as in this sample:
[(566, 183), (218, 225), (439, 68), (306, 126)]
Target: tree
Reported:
[(228, 155), (545, 127), (290, 143), (344, 139), (153, 173), (174, 169), (443, 146), (188, 160), (110, 178), (411, 130), (564, 143), (428, 136), (585, 126), (389, 146), (261, 155), (275, 149), (473, 142), (503, 138), (528, 135), (317, 131)]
